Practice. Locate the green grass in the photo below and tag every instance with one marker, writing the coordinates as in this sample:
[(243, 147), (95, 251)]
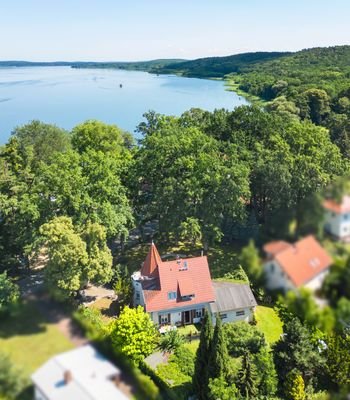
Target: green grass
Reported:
[(187, 329), (269, 323), (30, 340)]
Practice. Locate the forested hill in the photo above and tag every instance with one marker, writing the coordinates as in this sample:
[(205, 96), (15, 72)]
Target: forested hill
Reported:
[(218, 67)]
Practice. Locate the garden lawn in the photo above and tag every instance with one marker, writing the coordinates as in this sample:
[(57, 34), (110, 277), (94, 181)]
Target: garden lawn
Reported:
[(269, 323), (30, 340)]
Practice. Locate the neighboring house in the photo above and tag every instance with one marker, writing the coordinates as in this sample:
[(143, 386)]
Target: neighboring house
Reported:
[(178, 292), (80, 374), (290, 266), (337, 217)]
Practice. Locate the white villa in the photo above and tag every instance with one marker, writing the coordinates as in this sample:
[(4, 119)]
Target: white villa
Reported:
[(178, 292)]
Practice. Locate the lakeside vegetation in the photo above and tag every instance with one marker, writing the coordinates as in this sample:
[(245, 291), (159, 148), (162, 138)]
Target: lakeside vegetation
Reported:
[(222, 182)]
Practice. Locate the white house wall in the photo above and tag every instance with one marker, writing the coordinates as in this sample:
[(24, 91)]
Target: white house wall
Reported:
[(337, 224), (275, 277), (231, 316), (316, 283)]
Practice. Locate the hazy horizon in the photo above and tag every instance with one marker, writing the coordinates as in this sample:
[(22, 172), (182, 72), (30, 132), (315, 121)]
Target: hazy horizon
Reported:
[(139, 30)]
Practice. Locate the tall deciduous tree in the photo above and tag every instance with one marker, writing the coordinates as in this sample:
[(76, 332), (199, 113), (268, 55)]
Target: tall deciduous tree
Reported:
[(250, 261), (67, 257)]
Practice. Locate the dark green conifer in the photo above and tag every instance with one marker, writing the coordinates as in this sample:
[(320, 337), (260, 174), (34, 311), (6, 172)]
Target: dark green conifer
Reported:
[(201, 378), (248, 378), (218, 360)]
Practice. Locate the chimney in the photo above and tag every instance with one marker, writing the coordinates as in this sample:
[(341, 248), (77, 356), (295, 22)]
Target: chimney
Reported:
[(67, 377)]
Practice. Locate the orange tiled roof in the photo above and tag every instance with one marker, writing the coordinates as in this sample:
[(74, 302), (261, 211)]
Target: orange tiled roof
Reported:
[(303, 261), (185, 277), (338, 208), (149, 267), (275, 247)]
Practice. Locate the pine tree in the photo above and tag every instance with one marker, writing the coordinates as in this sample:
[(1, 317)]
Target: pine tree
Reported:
[(247, 378), (294, 387), (201, 378), (218, 360)]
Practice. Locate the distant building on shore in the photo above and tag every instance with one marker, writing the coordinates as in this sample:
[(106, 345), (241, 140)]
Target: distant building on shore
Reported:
[(337, 217)]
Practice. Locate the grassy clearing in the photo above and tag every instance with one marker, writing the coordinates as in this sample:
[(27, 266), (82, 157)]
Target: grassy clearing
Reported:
[(189, 329), (269, 323), (30, 340), (109, 309)]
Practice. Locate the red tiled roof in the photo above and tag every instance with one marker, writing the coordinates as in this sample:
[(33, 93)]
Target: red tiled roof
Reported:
[(303, 261), (188, 276), (338, 208), (153, 260), (275, 247)]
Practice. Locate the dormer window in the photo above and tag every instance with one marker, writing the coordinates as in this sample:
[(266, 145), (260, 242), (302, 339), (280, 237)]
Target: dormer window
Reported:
[(172, 296)]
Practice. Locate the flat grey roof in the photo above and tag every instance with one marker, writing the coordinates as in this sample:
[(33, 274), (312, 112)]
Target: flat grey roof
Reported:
[(232, 296)]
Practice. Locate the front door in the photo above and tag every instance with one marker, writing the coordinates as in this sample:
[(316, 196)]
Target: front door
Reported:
[(187, 317)]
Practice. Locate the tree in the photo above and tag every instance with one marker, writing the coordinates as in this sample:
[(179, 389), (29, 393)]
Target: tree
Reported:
[(219, 388), (294, 387), (266, 372), (9, 293), (297, 350), (241, 337), (218, 360), (251, 263), (122, 283), (67, 257), (200, 377), (247, 379), (190, 230), (317, 105), (134, 334), (338, 359), (11, 380), (171, 341), (99, 265), (44, 139), (343, 312)]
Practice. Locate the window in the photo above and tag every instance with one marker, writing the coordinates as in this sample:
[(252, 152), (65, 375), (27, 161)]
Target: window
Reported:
[(171, 295), (239, 313), (164, 319), (223, 316), (272, 268), (137, 296), (199, 313)]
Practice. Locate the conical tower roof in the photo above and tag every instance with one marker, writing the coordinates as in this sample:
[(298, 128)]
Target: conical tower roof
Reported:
[(152, 262)]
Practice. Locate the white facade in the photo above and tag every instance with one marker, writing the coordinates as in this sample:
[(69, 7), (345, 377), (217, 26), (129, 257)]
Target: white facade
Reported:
[(276, 277), (178, 316), (337, 224), (244, 314), (316, 283)]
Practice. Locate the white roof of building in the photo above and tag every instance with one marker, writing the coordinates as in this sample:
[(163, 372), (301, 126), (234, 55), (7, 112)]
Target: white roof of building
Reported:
[(91, 376)]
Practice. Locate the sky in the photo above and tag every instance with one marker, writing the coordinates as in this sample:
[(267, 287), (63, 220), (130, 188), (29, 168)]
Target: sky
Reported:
[(128, 30)]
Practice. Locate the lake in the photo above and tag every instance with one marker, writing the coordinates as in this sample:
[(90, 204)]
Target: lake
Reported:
[(65, 96)]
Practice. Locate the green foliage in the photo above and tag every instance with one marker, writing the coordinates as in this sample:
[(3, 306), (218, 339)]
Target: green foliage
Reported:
[(134, 333), (297, 350), (171, 341), (11, 379), (338, 359), (67, 257), (99, 265), (266, 372), (251, 262), (9, 293), (122, 283), (190, 230), (302, 304), (201, 375), (247, 379), (185, 359), (294, 387), (90, 320), (242, 337), (238, 274), (219, 388), (218, 359)]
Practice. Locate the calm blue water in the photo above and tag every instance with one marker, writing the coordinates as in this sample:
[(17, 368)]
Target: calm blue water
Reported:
[(65, 96)]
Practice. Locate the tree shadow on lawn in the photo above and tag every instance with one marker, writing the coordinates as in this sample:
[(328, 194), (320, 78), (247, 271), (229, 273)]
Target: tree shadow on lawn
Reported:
[(26, 319)]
